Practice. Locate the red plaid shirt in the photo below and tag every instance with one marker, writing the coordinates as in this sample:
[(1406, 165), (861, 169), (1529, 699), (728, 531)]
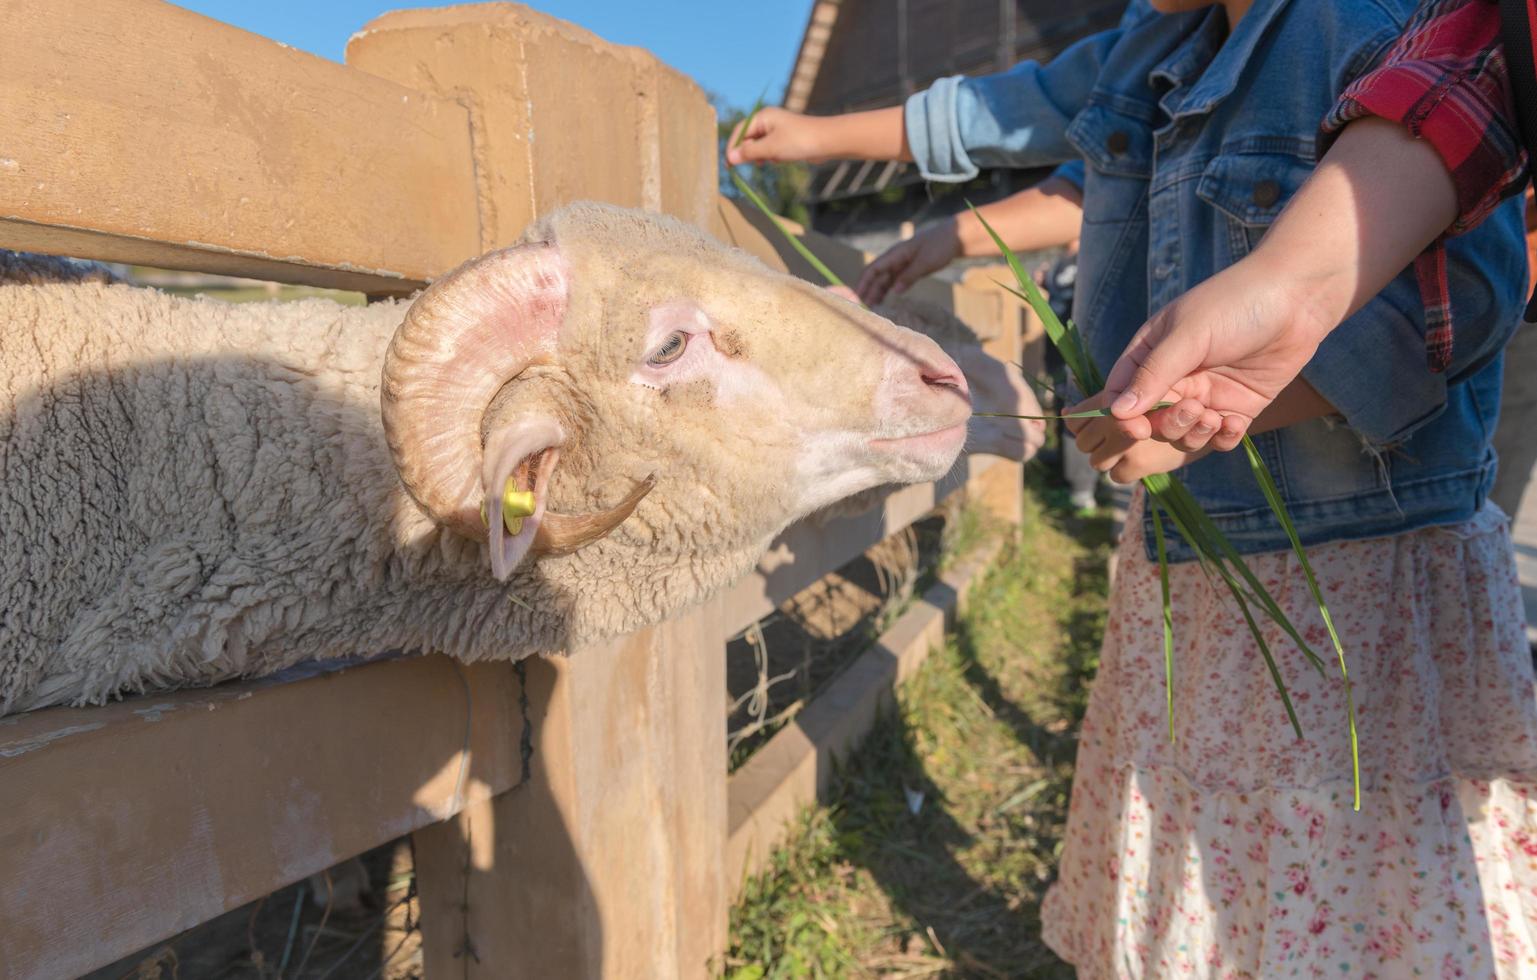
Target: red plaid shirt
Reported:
[(1447, 82)]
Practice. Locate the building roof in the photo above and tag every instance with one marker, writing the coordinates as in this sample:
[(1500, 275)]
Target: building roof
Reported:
[(867, 54), (808, 61)]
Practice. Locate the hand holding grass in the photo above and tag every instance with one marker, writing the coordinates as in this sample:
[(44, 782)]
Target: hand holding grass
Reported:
[(1234, 343), (1044, 216), (1125, 459), (1222, 353), (774, 135)]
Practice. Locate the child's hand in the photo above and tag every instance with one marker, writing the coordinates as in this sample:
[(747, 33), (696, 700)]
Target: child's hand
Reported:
[(896, 269), (1148, 457), (775, 136), (1125, 459)]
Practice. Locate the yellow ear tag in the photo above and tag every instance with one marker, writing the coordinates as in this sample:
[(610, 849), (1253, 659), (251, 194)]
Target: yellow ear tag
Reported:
[(516, 505)]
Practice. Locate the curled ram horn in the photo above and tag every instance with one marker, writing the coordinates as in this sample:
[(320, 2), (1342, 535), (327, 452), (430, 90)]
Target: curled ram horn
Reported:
[(561, 534), (469, 334)]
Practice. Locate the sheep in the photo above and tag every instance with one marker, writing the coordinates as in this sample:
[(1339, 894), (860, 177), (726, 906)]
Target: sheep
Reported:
[(617, 416)]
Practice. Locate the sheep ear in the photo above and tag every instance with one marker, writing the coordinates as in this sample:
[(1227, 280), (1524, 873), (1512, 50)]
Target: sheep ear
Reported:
[(517, 465), (520, 461)]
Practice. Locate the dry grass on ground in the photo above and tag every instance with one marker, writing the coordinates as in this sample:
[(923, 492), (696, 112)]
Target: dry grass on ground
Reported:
[(986, 733)]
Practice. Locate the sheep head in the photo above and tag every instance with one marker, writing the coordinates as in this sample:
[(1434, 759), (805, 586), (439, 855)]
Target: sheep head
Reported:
[(618, 369)]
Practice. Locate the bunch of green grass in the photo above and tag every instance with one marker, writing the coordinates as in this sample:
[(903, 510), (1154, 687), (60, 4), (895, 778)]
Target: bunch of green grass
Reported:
[(1166, 495)]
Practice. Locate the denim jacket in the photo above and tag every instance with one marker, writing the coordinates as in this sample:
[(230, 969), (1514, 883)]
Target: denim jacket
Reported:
[(1194, 140)]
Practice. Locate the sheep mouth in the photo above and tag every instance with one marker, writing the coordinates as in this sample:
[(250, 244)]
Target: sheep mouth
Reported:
[(949, 439)]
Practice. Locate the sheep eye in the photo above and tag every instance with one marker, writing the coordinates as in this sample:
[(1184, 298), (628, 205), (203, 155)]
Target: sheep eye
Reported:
[(670, 351)]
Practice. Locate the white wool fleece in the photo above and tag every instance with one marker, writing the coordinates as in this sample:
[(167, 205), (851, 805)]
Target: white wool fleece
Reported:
[(192, 490)]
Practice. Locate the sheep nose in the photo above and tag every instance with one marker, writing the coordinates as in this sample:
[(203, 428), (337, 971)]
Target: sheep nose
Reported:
[(925, 379), (946, 374)]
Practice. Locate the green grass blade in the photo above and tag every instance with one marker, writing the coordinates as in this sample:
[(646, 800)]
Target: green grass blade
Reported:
[(1264, 649), (790, 236), (1211, 537), (1273, 497), (761, 205), (747, 122), (1168, 617), (1091, 370), (1089, 413), (1055, 332), (1187, 514)]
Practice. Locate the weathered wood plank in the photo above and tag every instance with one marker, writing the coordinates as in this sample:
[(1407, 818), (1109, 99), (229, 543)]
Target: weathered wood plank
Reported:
[(123, 825), (145, 133)]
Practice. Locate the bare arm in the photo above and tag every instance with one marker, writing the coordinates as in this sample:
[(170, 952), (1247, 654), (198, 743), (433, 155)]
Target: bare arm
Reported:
[(1377, 199), (779, 136), (1048, 214), (1233, 343), (1043, 216)]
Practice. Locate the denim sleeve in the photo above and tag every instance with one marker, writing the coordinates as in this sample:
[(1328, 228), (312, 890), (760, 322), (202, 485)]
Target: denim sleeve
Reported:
[(1072, 172), (1372, 368), (1015, 119)]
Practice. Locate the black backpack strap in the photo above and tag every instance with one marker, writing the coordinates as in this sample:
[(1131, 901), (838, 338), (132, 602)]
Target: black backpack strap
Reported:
[(1516, 18)]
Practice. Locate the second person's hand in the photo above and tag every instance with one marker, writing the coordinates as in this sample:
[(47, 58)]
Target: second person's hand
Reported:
[(775, 135), (895, 270)]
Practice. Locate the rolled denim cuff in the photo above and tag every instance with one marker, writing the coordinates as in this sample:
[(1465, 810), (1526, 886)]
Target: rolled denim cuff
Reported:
[(934, 135)]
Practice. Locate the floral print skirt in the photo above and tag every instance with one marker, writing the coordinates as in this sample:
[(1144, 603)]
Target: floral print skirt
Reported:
[(1235, 851)]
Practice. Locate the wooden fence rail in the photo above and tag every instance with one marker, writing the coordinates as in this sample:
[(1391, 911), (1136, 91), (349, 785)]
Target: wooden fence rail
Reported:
[(143, 133)]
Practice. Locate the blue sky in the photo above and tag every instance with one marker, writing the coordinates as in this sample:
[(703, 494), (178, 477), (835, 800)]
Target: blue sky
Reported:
[(695, 36)]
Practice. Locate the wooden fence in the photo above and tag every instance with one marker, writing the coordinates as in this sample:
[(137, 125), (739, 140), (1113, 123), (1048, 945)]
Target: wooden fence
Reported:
[(139, 132)]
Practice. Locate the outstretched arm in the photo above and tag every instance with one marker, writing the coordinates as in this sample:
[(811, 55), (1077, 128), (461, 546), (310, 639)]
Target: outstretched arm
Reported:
[(1227, 348), (1048, 214), (776, 135)]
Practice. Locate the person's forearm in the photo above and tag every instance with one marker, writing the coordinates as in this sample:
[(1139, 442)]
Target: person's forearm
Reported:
[(880, 134), (1044, 216), (1377, 199)]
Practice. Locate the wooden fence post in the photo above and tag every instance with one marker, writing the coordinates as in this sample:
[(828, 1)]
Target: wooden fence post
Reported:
[(608, 861)]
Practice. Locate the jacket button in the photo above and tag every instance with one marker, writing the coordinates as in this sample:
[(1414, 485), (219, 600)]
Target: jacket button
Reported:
[(1266, 193), (1118, 142)]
